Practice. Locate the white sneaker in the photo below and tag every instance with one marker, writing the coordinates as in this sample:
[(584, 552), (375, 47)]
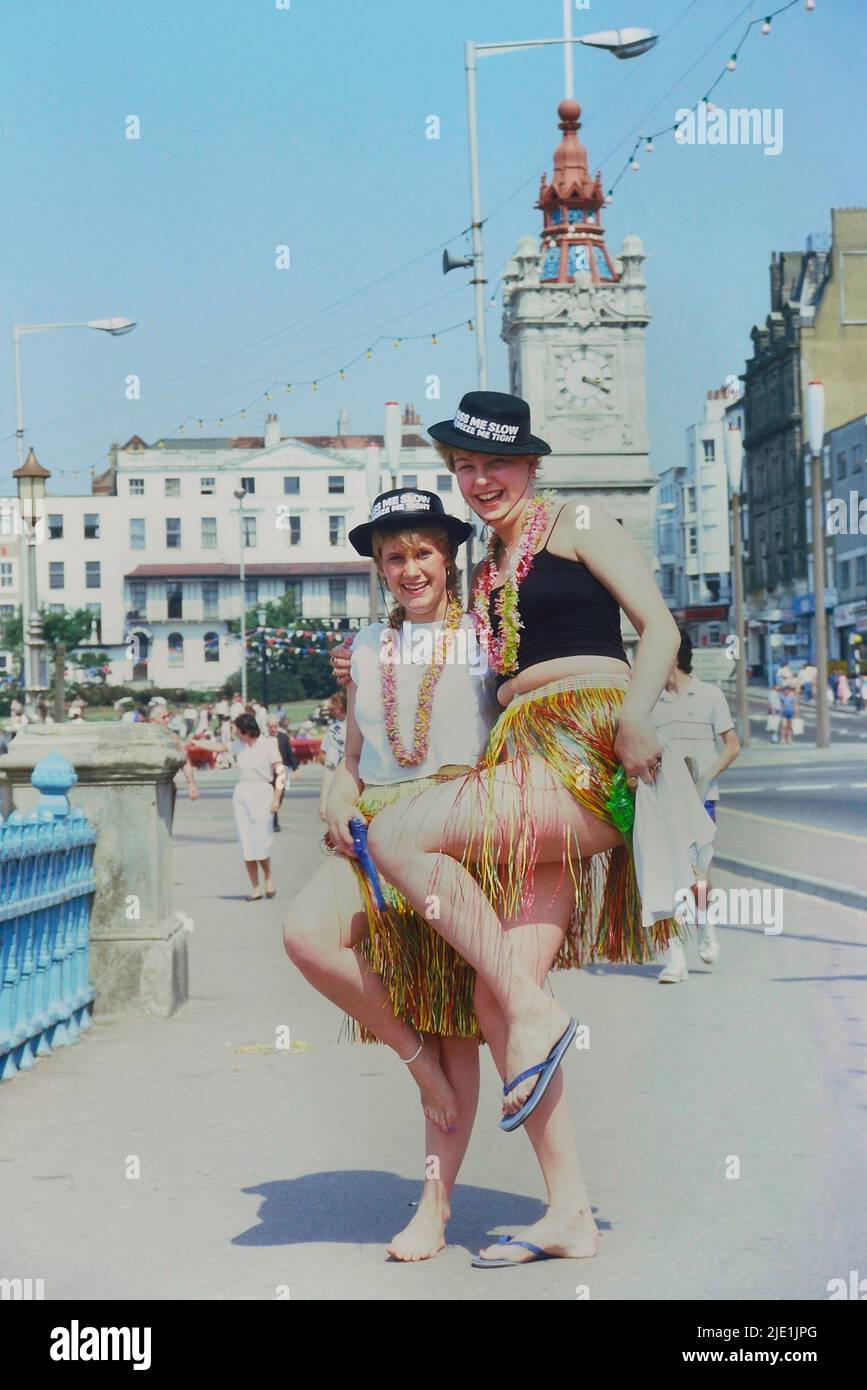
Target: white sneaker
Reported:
[(708, 946), (674, 971)]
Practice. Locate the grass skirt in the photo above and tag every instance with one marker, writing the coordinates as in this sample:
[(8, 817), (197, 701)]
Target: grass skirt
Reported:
[(428, 983), (572, 725)]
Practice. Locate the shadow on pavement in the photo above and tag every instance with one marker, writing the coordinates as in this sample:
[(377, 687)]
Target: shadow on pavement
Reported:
[(368, 1207)]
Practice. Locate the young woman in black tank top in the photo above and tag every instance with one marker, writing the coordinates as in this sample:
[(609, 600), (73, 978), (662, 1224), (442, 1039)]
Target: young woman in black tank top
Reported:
[(532, 829)]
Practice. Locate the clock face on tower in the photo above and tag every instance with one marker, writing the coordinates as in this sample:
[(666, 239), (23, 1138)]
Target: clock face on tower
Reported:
[(585, 379)]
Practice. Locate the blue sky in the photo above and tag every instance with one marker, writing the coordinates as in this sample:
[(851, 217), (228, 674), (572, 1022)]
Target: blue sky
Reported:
[(306, 127)]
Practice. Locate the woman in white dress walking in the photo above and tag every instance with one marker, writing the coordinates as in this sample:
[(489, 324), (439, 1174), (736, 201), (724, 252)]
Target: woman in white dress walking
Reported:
[(256, 800)]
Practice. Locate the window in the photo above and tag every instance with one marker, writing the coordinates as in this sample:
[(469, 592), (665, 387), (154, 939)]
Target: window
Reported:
[(861, 570), (173, 487), (210, 598), (55, 526), (843, 573), (292, 587), (337, 530), (444, 482), (689, 501), (841, 464), (7, 610), (138, 597), (249, 485), (173, 532), (207, 487), (174, 598), (689, 541), (136, 487), (337, 597), (91, 526), (55, 574), (335, 483), (410, 480), (857, 460), (10, 519), (294, 532), (249, 532), (212, 646), (251, 592), (176, 649), (209, 533), (708, 450), (5, 574), (291, 486), (136, 533), (92, 577)]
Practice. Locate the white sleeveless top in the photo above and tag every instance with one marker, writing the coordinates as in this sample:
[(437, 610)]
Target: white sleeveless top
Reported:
[(464, 704)]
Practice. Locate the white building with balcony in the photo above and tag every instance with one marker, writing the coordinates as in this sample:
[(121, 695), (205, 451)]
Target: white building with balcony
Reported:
[(154, 550), (692, 530)]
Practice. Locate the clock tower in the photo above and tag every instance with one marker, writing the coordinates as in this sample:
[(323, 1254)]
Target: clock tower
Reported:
[(574, 322)]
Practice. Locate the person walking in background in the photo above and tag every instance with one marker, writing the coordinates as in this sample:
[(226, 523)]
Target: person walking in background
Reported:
[(256, 799), (843, 690), (775, 702), (190, 715), (807, 680), (290, 762), (260, 714), (788, 710), (333, 745), (690, 717)]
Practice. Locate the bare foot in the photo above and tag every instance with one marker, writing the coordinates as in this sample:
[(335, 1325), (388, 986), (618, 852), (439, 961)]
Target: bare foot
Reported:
[(438, 1100), (425, 1235), (571, 1235), (534, 1031)]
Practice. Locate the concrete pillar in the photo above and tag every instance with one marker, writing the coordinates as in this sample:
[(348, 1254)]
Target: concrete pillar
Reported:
[(138, 944)]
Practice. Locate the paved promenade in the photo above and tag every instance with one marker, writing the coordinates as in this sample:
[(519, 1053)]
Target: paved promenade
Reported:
[(261, 1168)]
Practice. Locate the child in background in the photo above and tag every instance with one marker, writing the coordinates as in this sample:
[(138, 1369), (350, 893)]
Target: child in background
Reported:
[(333, 744)]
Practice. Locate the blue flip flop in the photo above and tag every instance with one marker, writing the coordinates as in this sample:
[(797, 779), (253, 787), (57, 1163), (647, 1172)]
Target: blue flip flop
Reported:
[(546, 1072), (479, 1262)]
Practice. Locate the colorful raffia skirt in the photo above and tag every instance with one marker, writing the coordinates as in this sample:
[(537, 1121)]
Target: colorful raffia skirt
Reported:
[(430, 986), (571, 725)]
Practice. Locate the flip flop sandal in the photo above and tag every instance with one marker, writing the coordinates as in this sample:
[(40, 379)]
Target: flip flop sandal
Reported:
[(546, 1072), (479, 1262)]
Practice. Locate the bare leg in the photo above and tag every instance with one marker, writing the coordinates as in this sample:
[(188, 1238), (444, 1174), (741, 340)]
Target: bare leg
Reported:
[(567, 1228), (324, 922), (417, 846), (252, 868), (424, 1236)]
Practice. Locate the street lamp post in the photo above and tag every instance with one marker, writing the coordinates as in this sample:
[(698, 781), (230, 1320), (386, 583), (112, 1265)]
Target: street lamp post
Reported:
[(31, 621), (31, 498), (816, 435), (734, 459), (241, 492), (263, 652)]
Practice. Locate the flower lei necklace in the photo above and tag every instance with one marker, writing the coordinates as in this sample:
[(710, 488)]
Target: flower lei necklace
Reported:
[(388, 659), (502, 650)]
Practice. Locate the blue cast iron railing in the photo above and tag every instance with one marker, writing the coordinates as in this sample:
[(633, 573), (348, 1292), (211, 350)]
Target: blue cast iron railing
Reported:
[(46, 890)]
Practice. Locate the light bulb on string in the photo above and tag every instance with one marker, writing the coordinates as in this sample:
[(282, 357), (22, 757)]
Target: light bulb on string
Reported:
[(434, 340), (809, 4), (243, 414), (649, 146), (471, 326), (201, 422), (709, 104), (220, 423), (635, 166), (316, 386), (342, 374), (766, 25), (267, 395), (609, 198), (369, 354), (732, 62), (287, 389), (396, 342)]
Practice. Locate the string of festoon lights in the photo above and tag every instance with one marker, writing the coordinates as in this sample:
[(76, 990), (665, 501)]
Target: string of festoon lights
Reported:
[(764, 26), (286, 388), (283, 639)]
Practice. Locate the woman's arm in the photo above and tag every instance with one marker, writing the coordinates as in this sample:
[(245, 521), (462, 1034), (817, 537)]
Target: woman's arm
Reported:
[(611, 554)]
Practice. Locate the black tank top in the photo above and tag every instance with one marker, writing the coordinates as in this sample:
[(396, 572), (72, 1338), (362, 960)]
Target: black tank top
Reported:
[(565, 611)]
